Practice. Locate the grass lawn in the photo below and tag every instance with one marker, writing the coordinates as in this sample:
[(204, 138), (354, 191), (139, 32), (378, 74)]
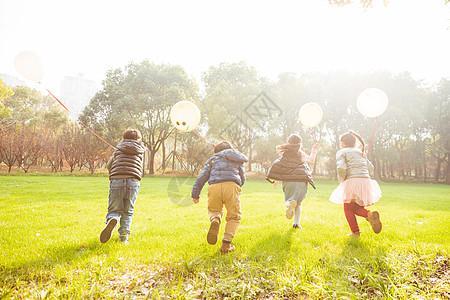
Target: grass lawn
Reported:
[(50, 248)]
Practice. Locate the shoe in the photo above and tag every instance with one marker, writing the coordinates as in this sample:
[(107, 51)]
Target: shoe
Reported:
[(374, 219), (227, 246), (124, 239), (213, 231), (296, 226), (355, 234), (290, 209), (108, 230)]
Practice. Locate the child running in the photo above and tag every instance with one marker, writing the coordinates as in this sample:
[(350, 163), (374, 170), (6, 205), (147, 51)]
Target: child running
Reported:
[(225, 174), (126, 168), (356, 190), (292, 168)]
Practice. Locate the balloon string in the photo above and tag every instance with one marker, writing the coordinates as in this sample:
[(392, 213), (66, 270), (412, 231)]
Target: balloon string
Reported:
[(78, 120), (310, 132), (203, 138), (373, 134)]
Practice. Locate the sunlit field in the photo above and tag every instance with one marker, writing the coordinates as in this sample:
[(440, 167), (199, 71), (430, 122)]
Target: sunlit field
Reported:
[(50, 248)]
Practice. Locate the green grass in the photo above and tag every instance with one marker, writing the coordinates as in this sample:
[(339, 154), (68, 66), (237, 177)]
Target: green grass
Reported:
[(49, 245)]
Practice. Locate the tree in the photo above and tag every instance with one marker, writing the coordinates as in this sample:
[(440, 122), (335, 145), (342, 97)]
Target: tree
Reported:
[(233, 105), (72, 145), (439, 117), (30, 107), (7, 145), (28, 146), (5, 113), (94, 151), (140, 96), (5, 92)]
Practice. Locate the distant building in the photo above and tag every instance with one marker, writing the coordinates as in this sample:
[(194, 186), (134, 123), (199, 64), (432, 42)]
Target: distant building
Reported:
[(11, 80), (76, 92)]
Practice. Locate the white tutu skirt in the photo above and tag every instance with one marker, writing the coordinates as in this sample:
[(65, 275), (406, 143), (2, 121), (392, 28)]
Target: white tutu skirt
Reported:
[(363, 191)]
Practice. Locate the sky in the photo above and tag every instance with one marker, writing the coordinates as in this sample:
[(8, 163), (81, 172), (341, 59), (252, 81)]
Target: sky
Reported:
[(94, 36)]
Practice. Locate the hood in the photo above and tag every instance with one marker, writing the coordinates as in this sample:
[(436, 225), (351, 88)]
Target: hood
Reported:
[(232, 155), (130, 147)]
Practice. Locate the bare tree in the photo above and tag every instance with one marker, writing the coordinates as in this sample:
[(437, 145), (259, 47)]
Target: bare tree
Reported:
[(28, 148)]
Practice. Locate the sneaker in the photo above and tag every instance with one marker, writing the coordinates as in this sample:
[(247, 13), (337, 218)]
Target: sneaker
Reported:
[(108, 230), (296, 226), (124, 239), (227, 246), (374, 219), (355, 234), (213, 231), (290, 210)]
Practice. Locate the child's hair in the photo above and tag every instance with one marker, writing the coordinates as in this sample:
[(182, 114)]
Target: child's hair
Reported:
[(349, 139), (294, 143), (222, 146), (132, 134), (294, 139)]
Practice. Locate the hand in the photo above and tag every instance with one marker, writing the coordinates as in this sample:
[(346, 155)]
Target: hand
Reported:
[(316, 146), (195, 200)]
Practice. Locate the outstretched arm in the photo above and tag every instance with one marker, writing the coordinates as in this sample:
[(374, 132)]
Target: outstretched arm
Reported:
[(312, 157), (201, 180)]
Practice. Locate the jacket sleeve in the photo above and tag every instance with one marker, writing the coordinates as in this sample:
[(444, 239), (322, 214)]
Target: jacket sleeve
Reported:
[(341, 166), (109, 164), (242, 174), (201, 180)]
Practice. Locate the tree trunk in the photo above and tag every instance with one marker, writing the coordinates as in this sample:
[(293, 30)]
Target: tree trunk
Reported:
[(151, 162), (437, 174), (174, 150), (424, 170), (377, 170), (447, 172), (250, 158), (163, 165)]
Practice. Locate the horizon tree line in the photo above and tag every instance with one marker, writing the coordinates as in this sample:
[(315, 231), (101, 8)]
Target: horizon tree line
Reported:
[(254, 113)]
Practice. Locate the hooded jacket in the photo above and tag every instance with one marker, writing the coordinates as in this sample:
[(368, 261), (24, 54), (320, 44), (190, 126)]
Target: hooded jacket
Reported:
[(127, 161), (226, 165), (290, 167)]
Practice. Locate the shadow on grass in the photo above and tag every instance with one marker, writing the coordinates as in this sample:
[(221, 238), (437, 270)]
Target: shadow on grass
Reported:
[(363, 267), (64, 254), (277, 245)]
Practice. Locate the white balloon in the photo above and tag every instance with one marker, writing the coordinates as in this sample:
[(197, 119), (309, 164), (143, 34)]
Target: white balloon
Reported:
[(185, 115), (310, 114), (372, 102), (29, 65)]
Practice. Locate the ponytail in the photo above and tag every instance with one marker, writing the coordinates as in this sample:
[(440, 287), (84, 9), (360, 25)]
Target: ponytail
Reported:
[(360, 140)]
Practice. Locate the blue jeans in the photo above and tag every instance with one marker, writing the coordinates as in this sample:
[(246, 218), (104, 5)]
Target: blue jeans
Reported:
[(295, 191), (122, 197)]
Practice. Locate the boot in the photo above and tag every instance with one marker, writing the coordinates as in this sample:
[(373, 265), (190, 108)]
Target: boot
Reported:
[(213, 231), (374, 219), (227, 246)]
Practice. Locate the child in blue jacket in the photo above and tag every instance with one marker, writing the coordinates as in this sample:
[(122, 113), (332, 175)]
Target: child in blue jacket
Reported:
[(225, 174)]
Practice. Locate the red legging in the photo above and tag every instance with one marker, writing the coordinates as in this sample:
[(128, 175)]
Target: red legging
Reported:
[(352, 210)]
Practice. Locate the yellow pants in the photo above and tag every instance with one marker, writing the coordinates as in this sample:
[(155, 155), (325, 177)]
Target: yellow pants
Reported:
[(225, 193)]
